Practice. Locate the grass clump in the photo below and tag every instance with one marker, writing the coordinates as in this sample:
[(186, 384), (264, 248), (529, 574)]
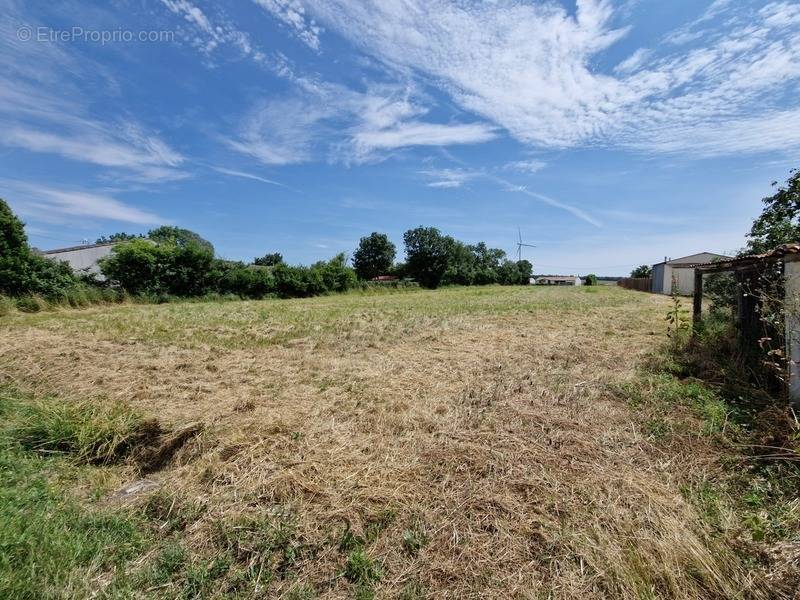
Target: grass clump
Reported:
[(89, 432), (50, 545), (363, 572)]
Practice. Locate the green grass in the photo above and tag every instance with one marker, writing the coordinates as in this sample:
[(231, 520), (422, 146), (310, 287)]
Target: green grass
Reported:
[(50, 545), (88, 432), (260, 323)]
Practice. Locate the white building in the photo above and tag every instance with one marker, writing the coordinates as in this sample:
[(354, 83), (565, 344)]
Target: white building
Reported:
[(559, 280), (82, 259), (678, 272)]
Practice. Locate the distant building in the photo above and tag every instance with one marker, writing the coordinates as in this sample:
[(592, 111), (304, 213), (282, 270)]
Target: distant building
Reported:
[(558, 280), (385, 278), (679, 272), (82, 259)]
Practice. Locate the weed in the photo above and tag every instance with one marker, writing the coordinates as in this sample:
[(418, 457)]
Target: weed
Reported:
[(414, 538), (201, 576), (378, 522), (360, 569), (350, 541), (268, 544), (6, 305)]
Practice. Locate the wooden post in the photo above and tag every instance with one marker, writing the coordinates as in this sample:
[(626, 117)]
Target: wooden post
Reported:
[(791, 273), (697, 306)]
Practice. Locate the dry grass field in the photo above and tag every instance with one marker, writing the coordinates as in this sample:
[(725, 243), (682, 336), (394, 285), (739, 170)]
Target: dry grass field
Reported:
[(459, 443)]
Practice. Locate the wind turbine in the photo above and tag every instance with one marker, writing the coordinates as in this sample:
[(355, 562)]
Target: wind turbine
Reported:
[(520, 245)]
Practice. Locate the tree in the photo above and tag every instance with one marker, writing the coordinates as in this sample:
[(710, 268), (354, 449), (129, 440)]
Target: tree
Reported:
[(642, 271), (178, 236), (120, 236), (15, 254), (23, 272), (374, 256), (525, 269), (269, 260), (427, 255), (779, 223), (590, 279)]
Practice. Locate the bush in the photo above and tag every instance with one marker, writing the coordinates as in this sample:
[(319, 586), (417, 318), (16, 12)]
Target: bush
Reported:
[(243, 280), (142, 267), (298, 282), (336, 275)]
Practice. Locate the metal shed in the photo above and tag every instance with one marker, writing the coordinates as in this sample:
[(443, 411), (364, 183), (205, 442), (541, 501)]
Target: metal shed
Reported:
[(678, 273)]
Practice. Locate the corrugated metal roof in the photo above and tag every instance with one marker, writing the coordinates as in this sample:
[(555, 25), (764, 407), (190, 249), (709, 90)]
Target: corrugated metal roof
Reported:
[(751, 259), (558, 277), (83, 247)]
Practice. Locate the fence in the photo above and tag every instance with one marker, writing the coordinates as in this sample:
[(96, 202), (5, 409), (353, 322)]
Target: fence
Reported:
[(641, 284)]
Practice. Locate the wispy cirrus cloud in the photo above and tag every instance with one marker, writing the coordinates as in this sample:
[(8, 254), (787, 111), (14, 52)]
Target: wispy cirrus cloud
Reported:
[(245, 175), (45, 202), (292, 14), (44, 109), (128, 149), (449, 178), (208, 34), (526, 166), (535, 75), (323, 119)]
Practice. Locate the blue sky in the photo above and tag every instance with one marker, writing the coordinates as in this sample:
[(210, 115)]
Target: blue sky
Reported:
[(612, 133)]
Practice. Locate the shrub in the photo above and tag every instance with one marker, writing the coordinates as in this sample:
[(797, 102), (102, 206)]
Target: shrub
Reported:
[(336, 275), (298, 282), (142, 267), (243, 280)]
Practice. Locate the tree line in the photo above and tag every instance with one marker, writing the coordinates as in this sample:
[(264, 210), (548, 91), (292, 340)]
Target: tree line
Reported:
[(176, 262)]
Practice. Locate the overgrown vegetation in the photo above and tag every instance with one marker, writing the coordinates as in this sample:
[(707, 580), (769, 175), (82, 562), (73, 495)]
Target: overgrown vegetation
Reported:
[(753, 502), (21, 271)]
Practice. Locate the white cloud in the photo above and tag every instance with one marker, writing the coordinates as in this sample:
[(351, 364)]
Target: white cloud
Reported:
[(44, 201), (345, 125), (530, 68), (449, 178), (44, 108), (207, 35), (633, 62), (292, 14), (526, 166), (244, 175), (130, 149), (415, 133), (281, 132)]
